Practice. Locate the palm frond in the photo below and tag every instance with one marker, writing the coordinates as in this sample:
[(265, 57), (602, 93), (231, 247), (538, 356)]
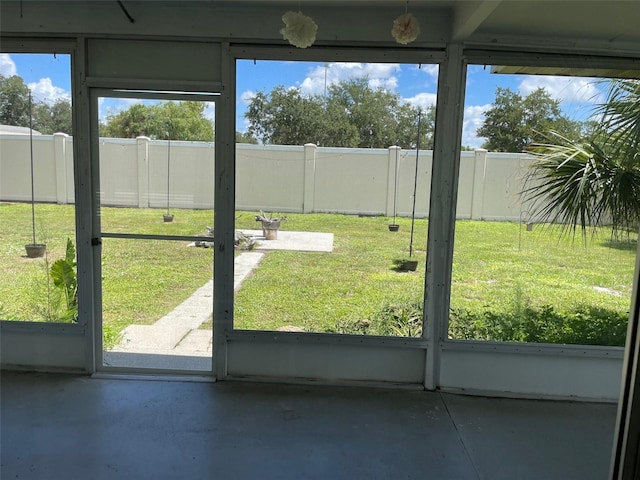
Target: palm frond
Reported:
[(581, 185), (621, 119)]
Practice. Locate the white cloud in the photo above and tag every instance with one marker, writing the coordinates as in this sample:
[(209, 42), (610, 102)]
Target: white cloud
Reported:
[(380, 75), (422, 100), (101, 109), (565, 89), (7, 66), (247, 96), (473, 118), (430, 69), (210, 111), (45, 91), (390, 83)]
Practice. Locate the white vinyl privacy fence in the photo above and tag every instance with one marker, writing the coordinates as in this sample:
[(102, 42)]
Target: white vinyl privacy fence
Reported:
[(137, 173)]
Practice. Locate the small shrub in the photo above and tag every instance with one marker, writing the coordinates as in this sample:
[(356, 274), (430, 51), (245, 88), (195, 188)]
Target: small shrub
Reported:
[(398, 318), (583, 325), (519, 322), (111, 335), (353, 326)]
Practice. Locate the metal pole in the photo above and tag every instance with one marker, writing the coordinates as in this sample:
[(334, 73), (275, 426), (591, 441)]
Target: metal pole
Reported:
[(395, 189), (326, 66), (33, 207), (168, 166), (415, 187)]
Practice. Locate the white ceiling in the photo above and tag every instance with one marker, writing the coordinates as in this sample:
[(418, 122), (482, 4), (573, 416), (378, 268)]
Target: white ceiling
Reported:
[(608, 23), (607, 26)]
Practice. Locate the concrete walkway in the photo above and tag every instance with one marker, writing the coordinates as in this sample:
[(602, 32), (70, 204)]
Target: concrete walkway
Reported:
[(178, 333)]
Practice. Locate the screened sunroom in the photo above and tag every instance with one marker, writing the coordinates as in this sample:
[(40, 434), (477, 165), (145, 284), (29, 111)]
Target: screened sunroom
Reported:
[(226, 195)]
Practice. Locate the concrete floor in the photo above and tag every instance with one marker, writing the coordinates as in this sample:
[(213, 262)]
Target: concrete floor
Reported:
[(70, 427)]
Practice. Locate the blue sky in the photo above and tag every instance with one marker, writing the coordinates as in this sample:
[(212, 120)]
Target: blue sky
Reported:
[(49, 78)]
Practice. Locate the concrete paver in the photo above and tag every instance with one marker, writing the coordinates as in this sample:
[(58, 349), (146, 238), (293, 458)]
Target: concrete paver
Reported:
[(178, 332), (196, 343), (298, 241), (150, 338)]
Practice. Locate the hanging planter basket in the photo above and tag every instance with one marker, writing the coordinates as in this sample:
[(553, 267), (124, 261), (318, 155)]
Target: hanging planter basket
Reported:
[(35, 250), (405, 265), (394, 227), (409, 264), (168, 217)]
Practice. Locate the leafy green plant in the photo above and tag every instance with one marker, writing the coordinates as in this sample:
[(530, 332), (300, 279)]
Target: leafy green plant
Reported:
[(111, 335), (621, 118), (582, 184), (399, 318), (519, 322), (58, 287), (396, 318), (582, 325), (63, 275), (596, 180)]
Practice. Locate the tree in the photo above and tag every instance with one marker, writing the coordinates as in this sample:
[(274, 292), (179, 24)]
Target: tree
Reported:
[(596, 181), (621, 115), (14, 101), (14, 108), (285, 117), (381, 117), (175, 120), (515, 122), (408, 127), (50, 119), (245, 138), (353, 114)]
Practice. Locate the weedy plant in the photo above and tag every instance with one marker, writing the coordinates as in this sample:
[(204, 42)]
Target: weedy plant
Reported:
[(63, 274), (61, 288)]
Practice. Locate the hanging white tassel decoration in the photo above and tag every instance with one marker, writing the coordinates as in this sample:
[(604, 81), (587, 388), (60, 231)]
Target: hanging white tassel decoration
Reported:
[(299, 29), (406, 28)]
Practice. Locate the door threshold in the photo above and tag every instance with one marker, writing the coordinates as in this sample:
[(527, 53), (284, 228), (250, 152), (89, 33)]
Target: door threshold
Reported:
[(158, 377), (160, 363)]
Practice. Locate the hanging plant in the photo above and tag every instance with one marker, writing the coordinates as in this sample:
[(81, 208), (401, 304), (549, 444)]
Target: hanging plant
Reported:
[(406, 28), (299, 29), (168, 217), (34, 250), (415, 185), (394, 227), (405, 264)]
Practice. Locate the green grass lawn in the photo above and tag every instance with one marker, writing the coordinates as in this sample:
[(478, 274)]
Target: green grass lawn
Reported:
[(508, 284), (142, 279), (503, 276), (562, 285), (316, 291)]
